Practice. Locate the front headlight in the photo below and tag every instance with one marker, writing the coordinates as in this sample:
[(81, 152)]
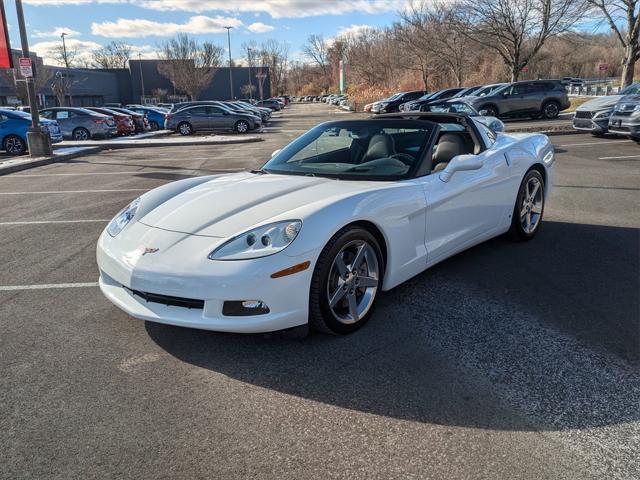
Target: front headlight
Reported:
[(123, 218), (603, 114), (259, 242)]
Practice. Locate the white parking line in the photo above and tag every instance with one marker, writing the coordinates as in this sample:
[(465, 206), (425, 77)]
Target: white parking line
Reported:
[(591, 143), (622, 156), (49, 222), (46, 286), (77, 191)]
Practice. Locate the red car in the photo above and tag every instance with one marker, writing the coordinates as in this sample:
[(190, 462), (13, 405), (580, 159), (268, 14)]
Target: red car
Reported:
[(124, 123), (140, 121)]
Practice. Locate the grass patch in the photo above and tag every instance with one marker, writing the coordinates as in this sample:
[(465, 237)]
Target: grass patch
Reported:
[(576, 102)]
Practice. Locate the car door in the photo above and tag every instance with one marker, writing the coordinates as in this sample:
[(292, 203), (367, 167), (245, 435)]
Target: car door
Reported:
[(198, 118), (220, 119), (64, 120), (468, 208), (520, 99)]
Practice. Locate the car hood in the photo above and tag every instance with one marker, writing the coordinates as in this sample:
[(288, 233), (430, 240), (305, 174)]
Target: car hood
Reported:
[(630, 99), (599, 103), (231, 204)]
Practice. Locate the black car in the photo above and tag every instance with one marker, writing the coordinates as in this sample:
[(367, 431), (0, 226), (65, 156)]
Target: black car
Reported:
[(432, 97), (392, 104), (272, 104)]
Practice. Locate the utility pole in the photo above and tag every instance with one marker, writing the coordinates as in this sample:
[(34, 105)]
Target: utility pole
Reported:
[(39, 142), (141, 79), (250, 81), (64, 50), (230, 74)]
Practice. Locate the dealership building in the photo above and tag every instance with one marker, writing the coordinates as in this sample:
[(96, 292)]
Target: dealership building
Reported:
[(95, 87)]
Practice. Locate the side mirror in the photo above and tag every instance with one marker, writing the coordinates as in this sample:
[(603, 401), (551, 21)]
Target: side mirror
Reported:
[(275, 152), (461, 163), (483, 112)]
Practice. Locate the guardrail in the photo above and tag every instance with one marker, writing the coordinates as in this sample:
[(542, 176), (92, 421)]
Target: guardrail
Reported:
[(592, 90)]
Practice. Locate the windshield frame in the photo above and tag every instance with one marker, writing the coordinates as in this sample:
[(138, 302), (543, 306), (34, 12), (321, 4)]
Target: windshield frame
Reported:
[(307, 137)]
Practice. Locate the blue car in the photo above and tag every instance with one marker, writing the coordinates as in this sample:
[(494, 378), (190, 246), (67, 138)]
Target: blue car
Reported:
[(154, 115), (13, 130)]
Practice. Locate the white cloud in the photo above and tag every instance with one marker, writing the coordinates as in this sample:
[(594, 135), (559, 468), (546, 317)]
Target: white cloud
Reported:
[(353, 30), (48, 49), (58, 3), (277, 8), (56, 32), (138, 27), (259, 27)]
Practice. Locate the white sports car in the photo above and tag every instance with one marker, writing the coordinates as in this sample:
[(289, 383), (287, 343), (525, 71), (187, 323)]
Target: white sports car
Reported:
[(345, 211)]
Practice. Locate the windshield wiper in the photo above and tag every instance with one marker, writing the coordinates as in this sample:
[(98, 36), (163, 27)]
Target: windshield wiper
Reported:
[(259, 171)]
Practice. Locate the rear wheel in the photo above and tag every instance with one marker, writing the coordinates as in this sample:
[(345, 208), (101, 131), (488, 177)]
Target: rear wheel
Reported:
[(241, 126), (185, 128), (529, 208), (154, 125), (81, 133), (14, 145), (346, 281)]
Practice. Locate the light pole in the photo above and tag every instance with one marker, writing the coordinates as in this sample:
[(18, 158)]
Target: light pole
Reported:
[(230, 74), (250, 81), (39, 142), (141, 79), (64, 49)]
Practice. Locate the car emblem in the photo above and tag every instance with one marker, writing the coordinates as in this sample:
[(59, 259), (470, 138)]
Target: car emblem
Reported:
[(149, 250)]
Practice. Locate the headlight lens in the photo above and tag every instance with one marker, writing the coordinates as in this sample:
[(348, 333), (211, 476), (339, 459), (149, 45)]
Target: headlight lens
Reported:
[(636, 108), (605, 113), (123, 218), (259, 242)]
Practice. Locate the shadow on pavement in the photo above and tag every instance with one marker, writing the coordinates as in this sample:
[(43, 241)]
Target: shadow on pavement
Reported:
[(542, 335)]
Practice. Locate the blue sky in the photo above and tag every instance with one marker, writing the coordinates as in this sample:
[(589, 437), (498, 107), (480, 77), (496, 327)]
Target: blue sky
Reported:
[(145, 23)]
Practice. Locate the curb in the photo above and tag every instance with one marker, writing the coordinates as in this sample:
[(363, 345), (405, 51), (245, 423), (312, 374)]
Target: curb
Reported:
[(548, 133), (26, 164), (120, 146)]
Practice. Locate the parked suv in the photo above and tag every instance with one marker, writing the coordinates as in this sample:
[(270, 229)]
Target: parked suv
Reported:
[(537, 98), (207, 118), (625, 119), (80, 123), (593, 116), (393, 104)]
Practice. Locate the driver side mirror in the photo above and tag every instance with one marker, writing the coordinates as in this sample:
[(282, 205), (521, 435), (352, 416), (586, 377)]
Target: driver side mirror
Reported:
[(275, 152), (460, 163), (483, 113)]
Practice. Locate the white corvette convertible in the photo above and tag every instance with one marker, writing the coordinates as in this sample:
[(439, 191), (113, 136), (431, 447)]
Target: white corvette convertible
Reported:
[(345, 211)]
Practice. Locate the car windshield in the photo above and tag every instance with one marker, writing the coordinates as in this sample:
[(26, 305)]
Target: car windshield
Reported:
[(18, 113), (633, 89), (357, 150), (489, 89)]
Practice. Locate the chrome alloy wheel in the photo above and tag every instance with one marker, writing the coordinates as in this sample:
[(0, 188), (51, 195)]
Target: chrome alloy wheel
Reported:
[(551, 110), (353, 282), (532, 203), (14, 145)]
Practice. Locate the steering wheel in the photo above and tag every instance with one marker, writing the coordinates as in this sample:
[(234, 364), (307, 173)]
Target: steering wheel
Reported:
[(404, 158)]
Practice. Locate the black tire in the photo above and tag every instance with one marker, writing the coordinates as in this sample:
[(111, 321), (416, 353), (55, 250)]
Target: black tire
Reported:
[(491, 110), (598, 135), (81, 134), (241, 126), (518, 231), (14, 145), (184, 128), (321, 315), (550, 110), (154, 125)]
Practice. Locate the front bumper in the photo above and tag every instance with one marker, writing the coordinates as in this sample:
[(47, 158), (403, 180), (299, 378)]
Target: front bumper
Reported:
[(594, 125), (181, 269), (625, 125)]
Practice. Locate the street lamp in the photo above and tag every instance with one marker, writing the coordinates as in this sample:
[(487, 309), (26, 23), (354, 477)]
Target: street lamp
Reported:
[(64, 49), (230, 74), (250, 81), (141, 78)]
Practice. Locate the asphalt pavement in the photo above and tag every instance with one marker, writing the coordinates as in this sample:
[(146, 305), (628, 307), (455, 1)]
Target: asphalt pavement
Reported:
[(508, 361)]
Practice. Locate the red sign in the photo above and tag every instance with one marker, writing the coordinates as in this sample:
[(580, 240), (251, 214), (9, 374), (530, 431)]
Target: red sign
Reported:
[(525, 70), (26, 69), (5, 48), (603, 67)]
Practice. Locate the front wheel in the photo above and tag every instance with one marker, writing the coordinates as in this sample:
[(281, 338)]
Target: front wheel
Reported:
[(550, 110), (185, 128), (345, 282), (529, 208), (490, 111), (241, 126), (14, 145)]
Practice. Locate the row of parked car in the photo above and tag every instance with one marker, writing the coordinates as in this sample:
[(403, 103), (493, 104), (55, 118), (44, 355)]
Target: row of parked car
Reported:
[(74, 123), (535, 98), (619, 114)]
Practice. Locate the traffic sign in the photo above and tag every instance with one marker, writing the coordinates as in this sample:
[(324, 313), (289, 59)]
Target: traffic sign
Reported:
[(603, 67), (26, 69), (525, 70)]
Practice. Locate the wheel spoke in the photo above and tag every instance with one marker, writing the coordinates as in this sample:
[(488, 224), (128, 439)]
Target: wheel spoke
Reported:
[(359, 257), (342, 268), (528, 220), (526, 189), (535, 189), (367, 282), (353, 308), (536, 209), (337, 296), (523, 212)]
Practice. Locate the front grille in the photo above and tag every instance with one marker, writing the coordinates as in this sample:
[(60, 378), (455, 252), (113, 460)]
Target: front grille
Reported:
[(623, 114), (583, 114), (619, 129), (167, 300)]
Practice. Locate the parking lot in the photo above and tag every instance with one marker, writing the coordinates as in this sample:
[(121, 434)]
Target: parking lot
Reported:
[(507, 361)]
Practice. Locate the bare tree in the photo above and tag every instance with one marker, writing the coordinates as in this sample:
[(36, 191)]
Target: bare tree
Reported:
[(66, 57), (248, 90), (112, 55), (623, 18), (62, 84), (188, 65), (274, 55), (516, 29), (160, 93), (317, 51)]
